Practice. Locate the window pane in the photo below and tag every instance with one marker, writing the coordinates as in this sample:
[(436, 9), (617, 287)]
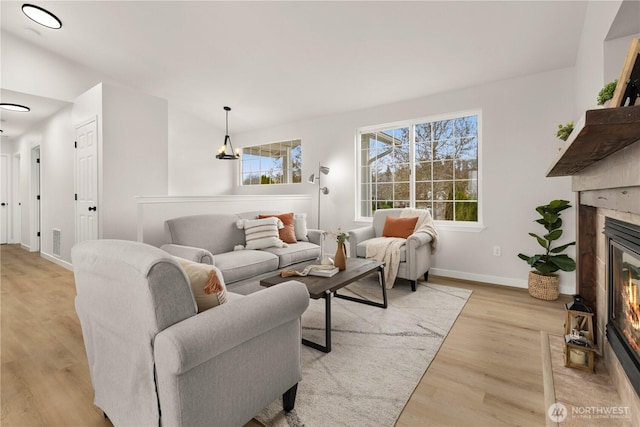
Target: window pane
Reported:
[(443, 211), (443, 169), (442, 130), (466, 190), (443, 190), (423, 171), (401, 191), (466, 211), (423, 191)]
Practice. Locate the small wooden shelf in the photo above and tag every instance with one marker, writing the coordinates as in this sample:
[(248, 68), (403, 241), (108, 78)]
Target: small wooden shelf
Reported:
[(597, 135)]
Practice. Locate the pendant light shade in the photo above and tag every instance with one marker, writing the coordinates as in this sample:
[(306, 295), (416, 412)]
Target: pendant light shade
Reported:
[(226, 152)]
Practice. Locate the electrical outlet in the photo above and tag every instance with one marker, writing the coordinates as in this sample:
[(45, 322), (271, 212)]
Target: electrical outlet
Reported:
[(497, 251)]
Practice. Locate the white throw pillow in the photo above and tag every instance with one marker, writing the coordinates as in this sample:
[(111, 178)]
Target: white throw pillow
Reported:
[(207, 283), (261, 233), (300, 226)]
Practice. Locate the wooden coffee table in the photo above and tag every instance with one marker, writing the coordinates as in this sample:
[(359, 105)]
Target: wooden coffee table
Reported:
[(323, 287)]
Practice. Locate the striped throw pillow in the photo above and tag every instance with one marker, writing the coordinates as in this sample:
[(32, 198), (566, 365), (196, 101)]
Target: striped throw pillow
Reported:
[(262, 233)]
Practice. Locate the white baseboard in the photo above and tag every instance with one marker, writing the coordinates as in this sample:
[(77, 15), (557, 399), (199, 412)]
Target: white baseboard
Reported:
[(57, 260), (494, 280), (25, 247)]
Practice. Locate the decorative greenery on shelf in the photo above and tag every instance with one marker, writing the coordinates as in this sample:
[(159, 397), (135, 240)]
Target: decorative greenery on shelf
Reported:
[(564, 131), (606, 93), (551, 261)]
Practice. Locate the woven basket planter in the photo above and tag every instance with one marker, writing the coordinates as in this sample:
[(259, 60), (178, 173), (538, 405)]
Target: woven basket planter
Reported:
[(544, 287)]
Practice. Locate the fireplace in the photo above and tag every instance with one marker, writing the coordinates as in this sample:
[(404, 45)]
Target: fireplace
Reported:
[(623, 323)]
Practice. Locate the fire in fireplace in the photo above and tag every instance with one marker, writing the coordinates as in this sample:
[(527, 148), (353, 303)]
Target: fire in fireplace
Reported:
[(623, 326)]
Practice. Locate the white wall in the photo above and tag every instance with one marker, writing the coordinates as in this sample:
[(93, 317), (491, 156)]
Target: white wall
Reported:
[(134, 156), (519, 121), (30, 69), (615, 53), (590, 61), (193, 145)]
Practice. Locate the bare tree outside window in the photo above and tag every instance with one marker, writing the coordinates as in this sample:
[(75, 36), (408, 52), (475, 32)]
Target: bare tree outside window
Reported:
[(275, 163), (425, 164)]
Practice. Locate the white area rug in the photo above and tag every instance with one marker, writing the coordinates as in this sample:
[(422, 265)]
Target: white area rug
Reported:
[(378, 356)]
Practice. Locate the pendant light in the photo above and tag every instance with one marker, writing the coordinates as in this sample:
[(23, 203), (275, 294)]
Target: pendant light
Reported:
[(224, 152), (42, 16)]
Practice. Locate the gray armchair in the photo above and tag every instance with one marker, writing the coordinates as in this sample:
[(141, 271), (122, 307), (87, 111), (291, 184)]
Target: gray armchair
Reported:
[(415, 254), (154, 361)]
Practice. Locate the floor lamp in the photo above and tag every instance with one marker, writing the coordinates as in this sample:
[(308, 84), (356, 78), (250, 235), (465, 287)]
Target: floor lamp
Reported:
[(321, 190)]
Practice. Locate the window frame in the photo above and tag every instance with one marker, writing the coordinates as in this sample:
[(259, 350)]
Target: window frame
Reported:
[(472, 226)]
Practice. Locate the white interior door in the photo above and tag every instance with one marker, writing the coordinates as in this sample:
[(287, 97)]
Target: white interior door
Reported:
[(87, 181), (4, 199)]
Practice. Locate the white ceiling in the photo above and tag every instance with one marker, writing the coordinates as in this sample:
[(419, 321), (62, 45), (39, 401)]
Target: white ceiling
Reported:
[(278, 62)]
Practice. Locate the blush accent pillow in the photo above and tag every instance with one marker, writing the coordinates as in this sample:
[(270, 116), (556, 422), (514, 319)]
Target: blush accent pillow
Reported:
[(261, 233), (287, 233), (300, 227), (207, 283), (399, 227)]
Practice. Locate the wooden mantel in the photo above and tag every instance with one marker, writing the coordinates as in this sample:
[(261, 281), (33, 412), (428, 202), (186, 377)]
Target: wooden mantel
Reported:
[(598, 134)]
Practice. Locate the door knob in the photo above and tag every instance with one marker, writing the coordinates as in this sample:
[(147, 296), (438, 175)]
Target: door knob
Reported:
[(4, 204), (92, 208)]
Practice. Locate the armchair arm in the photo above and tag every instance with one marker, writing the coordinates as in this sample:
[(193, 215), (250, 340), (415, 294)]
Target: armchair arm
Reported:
[(191, 253), (315, 236), (200, 338), (357, 236), (418, 239)]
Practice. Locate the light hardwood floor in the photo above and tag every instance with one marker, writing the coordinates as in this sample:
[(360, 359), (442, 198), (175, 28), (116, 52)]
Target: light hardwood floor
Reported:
[(487, 373)]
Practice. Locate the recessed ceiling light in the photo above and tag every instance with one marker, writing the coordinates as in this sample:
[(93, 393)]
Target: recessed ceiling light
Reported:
[(41, 16), (14, 107)]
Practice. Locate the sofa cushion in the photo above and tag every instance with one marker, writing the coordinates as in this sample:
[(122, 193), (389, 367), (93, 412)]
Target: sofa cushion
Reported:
[(217, 233), (261, 233), (399, 227), (361, 251), (295, 253), (241, 265), (207, 283), (300, 227), (287, 232)]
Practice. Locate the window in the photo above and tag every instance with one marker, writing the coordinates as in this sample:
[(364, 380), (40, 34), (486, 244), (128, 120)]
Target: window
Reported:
[(428, 163), (276, 163)]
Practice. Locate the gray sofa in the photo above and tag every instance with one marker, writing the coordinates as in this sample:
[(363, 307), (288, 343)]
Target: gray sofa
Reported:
[(155, 361), (211, 238)]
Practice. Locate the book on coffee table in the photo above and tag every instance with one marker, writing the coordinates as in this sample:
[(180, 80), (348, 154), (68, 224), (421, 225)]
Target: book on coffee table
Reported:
[(323, 272)]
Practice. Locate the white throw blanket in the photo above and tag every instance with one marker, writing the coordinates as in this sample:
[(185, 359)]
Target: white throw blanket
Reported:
[(388, 249)]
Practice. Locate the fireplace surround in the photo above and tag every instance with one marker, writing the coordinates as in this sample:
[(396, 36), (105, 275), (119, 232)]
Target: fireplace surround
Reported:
[(602, 158), (623, 298)]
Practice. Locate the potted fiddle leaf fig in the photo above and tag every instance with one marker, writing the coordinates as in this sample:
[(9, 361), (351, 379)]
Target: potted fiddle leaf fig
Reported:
[(543, 280)]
